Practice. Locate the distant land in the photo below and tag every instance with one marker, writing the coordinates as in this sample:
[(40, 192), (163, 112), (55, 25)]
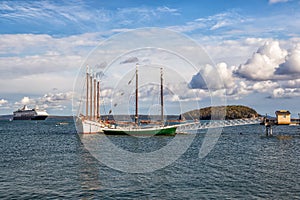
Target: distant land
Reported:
[(232, 112)]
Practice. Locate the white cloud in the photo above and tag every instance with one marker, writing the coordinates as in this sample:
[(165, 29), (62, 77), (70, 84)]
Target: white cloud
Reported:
[(3, 102), (56, 97), (166, 9), (263, 63), (285, 93), (226, 74), (233, 52), (16, 67), (26, 101), (75, 14), (291, 66), (213, 22), (34, 64), (207, 77), (277, 1), (33, 44), (271, 62), (292, 83), (49, 101)]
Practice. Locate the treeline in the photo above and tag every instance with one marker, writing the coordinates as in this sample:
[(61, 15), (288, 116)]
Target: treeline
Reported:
[(218, 112)]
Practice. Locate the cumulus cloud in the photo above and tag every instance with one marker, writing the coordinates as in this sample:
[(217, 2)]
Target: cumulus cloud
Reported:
[(291, 65), (207, 77), (263, 63), (27, 100), (226, 74)]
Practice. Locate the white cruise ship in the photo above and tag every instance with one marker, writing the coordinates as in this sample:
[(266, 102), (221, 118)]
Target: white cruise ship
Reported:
[(29, 114)]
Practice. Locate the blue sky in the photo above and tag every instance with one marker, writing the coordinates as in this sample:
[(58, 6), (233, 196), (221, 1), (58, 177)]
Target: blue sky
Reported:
[(254, 44)]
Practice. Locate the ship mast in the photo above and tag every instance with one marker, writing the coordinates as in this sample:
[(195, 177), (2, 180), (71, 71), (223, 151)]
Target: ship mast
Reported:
[(95, 100), (161, 96), (91, 97), (98, 100), (87, 92), (136, 95)]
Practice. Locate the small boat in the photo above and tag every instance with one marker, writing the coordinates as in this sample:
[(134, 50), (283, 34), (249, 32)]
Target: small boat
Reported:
[(62, 123), (29, 114)]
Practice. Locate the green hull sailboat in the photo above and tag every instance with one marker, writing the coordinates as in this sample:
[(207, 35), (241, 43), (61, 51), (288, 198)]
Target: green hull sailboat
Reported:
[(138, 130)]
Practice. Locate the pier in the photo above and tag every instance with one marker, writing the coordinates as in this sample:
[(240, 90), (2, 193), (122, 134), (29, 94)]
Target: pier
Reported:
[(198, 125), (283, 117)]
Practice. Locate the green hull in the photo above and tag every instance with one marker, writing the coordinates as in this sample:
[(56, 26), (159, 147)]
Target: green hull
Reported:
[(171, 131)]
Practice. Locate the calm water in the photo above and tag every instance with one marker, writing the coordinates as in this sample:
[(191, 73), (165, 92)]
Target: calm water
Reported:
[(45, 160)]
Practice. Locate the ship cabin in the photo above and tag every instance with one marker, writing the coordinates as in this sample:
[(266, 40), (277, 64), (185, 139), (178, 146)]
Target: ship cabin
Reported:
[(283, 117)]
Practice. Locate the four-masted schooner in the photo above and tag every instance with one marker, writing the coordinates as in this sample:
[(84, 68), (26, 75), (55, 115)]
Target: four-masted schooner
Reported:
[(91, 121)]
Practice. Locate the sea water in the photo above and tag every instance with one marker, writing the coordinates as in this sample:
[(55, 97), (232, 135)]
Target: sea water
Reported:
[(45, 159)]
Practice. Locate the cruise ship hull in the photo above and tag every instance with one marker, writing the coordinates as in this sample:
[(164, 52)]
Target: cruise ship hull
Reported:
[(30, 118)]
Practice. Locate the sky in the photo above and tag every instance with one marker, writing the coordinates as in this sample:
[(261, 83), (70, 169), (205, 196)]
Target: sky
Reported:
[(255, 46)]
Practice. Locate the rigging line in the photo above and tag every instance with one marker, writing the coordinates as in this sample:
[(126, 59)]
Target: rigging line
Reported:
[(150, 66)]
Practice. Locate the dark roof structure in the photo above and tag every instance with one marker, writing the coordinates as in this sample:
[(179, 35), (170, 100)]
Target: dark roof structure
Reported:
[(282, 112)]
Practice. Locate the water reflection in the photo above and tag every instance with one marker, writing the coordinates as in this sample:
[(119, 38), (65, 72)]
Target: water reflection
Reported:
[(88, 174)]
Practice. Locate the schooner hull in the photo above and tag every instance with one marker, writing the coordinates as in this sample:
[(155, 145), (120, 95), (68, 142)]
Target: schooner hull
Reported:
[(88, 126), (168, 131)]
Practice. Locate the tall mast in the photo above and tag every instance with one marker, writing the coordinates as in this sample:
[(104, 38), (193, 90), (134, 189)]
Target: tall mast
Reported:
[(161, 96), (91, 97), (136, 95), (95, 96), (87, 93), (98, 99)]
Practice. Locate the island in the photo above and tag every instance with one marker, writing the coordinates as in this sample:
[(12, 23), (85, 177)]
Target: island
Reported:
[(232, 112)]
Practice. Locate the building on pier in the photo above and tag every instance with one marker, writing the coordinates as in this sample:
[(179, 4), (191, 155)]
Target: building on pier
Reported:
[(283, 117)]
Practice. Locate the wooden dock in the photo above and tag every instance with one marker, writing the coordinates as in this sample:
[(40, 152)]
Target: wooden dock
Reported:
[(270, 122)]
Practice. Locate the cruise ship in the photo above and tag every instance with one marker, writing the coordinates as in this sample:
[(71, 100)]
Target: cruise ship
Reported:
[(29, 114)]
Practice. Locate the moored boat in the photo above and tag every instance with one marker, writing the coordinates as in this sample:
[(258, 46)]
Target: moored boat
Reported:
[(90, 123), (160, 129)]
